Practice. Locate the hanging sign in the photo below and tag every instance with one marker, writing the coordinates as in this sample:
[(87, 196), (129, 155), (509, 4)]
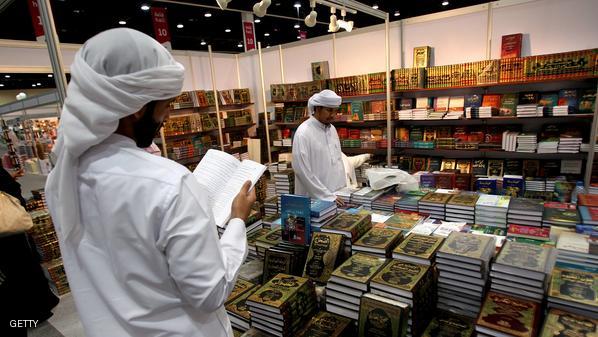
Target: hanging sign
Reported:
[(160, 22)]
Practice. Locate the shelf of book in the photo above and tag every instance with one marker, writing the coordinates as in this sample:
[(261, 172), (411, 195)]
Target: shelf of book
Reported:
[(189, 160), (499, 120), (288, 124), (358, 150), (363, 124), (490, 153), (239, 149)]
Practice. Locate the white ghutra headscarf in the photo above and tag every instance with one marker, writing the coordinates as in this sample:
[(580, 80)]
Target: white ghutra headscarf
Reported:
[(113, 75), (326, 98)]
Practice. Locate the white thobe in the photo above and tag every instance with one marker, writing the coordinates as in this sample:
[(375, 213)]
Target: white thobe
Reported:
[(149, 262), (317, 160)]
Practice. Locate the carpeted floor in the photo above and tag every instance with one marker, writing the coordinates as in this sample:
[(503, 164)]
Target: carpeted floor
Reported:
[(64, 323)]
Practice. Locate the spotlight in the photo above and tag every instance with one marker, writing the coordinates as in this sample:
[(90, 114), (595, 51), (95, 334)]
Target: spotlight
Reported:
[(445, 3), (397, 13), (33, 85), (266, 34), (7, 76), (208, 15), (180, 25), (1, 85), (346, 25), (39, 84), (333, 26), (240, 45), (375, 6), (203, 43), (297, 5), (122, 22), (310, 20), (145, 7), (257, 20), (296, 26), (261, 7), (227, 30), (223, 3), (50, 75)]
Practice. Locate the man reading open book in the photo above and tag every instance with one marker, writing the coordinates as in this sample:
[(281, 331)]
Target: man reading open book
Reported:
[(137, 231)]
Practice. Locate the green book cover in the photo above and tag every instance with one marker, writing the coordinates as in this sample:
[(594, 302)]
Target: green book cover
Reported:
[(276, 262), (357, 110), (562, 323), (404, 221), (241, 287), (485, 229), (574, 283), (239, 306), (322, 256), (509, 315), (446, 324), (401, 275), (380, 238), (508, 105), (436, 198), (524, 256), (251, 238), (326, 324), (464, 199), (348, 223), (272, 238), (469, 245), (421, 246), (278, 290), (380, 317), (359, 268)]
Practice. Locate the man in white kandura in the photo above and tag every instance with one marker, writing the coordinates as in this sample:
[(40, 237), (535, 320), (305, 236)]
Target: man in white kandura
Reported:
[(317, 156), (139, 244)]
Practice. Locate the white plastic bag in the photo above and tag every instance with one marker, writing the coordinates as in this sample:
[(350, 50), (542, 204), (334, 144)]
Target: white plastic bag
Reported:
[(381, 178)]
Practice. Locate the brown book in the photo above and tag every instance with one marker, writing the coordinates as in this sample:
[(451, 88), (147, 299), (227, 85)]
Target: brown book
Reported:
[(508, 315), (511, 46)]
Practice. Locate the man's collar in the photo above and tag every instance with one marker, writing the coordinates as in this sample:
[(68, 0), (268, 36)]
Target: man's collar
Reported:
[(319, 124)]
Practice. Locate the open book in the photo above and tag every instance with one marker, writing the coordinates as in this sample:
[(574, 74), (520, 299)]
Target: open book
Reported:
[(223, 176)]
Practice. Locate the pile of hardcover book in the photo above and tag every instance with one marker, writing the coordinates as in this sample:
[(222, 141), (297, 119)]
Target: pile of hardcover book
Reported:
[(434, 204), (271, 206), (252, 243), (378, 241), (577, 248), (463, 262), (284, 182), (524, 211), (322, 212), (285, 257), (503, 315), (268, 240), (352, 226), (283, 305), (560, 214), (386, 202), (327, 324), (409, 201), (236, 306), (492, 210), (418, 248), (573, 288), (366, 197), (461, 207)]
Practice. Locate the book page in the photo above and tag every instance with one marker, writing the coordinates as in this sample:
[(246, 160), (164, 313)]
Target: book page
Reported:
[(247, 170), (213, 171)]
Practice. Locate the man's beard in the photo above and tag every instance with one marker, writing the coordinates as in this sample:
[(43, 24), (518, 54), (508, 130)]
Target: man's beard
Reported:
[(146, 127)]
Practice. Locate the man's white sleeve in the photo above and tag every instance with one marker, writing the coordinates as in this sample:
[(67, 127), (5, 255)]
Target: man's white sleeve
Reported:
[(203, 267), (301, 166)]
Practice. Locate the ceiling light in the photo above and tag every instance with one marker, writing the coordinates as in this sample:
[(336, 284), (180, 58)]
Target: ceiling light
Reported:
[(298, 37), (223, 3), (122, 22), (50, 75), (208, 15), (375, 6), (227, 30), (296, 26), (145, 7), (266, 34), (297, 5), (333, 26), (397, 13), (240, 45), (257, 20), (310, 20), (261, 7), (180, 25), (267, 47), (7, 76), (39, 84), (1, 85), (33, 85), (203, 43), (445, 3)]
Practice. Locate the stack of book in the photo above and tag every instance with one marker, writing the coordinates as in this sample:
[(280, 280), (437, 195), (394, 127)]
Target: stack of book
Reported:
[(573, 288), (492, 210), (418, 248), (386, 202), (553, 325), (522, 270), (436, 115), (447, 323), (406, 114), (527, 143), (434, 204), (569, 144), (286, 258), (344, 194), (463, 262), (560, 214), (373, 308), (271, 206), (524, 211), (366, 197), (325, 324), (562, 110), (461, 207), (528, 234), (530, 110), (404, 221), (412, 284), (349, 282), (454, 115), (268, 240), (479, 112), (271, 221), (420, 114), (275, 306), (251, 243), (575, 248), (322, 212), (409, 202), (270, 189), (352, 226), (285, 182), (236, 306), (325, 250), (509, 141), (550, 184), (378, 241), (535, 185), (548, 146), (503, 315)]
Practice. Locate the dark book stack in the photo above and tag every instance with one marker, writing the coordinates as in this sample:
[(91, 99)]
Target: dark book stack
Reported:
[(44, 235), (284, 182), (286, 258), (57, 274), (268, 240), (480, 112), (282, 306), (412, 284), (326, 324), (236, 306), (325, 251), (271, 206), (503, 315), (524, 211), (560, 214), (418, 248), (322, 212), (252, 243), (374, 309), (573, 288), (378, 241), (386, 202), (366, 197), (352, 226), (461, 207), (446, 323), (492, 210), (554, 326), (522, 270), (463, 262), (271, 221), (434, 204), (409, 202), (404, 221), (349, 282)]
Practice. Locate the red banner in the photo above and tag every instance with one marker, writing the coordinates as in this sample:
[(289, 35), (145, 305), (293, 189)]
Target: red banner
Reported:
[(160, 21), (38, 28), (249, 36)]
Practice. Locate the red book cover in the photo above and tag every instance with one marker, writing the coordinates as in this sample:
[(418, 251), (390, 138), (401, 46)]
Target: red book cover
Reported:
[(560, 205), (588, 200), (492, 100), (511, 46), (445, 180), (529, 232)]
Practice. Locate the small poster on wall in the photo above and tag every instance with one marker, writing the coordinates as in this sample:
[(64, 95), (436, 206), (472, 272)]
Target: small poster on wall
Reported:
[(511, 46), (421, 56), (320, 70)]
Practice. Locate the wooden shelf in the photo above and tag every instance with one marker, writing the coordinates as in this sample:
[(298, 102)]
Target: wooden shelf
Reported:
[(288, 125), (222, 107), (358, 124), (490, 153), (224, 130), (237, 128), (358, 150), (499, 120), (189, 160), (236, 149)]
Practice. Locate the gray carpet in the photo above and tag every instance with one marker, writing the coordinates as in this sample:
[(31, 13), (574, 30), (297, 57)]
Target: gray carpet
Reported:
[(64, 323)]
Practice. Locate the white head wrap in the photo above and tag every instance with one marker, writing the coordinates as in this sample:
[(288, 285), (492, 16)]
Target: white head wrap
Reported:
[(326, 98), (114, 75)]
